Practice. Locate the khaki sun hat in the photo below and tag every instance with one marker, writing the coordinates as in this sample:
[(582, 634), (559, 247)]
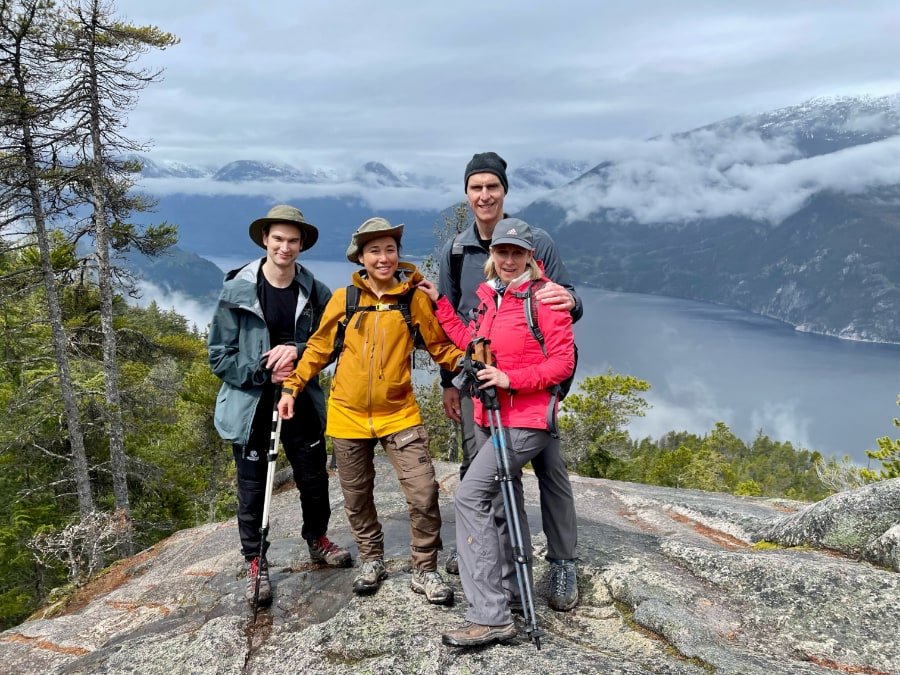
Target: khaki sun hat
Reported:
[(284, 213), (369, 230)]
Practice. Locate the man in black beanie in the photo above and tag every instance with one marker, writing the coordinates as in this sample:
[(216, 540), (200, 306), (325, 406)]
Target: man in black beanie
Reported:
[(487, 162), (461, 272)]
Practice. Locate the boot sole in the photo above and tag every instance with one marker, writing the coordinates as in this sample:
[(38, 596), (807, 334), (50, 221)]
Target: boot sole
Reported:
[(481, 642), (369, 589), (339, 565), (563, 608), (443, 601)]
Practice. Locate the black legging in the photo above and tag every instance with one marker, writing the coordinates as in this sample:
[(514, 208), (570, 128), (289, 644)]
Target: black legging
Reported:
[(304, 445)]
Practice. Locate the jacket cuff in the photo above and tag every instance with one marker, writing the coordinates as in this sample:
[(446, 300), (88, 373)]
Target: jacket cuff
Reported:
[(446, 379)]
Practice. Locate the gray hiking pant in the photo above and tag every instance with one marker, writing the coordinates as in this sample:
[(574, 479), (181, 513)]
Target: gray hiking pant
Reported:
[(557, 502), (485, 555)]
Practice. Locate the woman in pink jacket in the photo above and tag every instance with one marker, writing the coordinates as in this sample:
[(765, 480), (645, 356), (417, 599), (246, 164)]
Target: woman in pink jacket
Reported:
[(522, 375)]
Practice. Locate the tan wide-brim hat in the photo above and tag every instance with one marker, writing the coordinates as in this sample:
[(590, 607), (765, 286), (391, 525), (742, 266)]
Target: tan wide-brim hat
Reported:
[(369, 230), (285, 213)]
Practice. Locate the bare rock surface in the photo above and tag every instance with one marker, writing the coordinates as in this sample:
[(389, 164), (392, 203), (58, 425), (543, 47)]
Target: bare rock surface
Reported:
[(670, 582)]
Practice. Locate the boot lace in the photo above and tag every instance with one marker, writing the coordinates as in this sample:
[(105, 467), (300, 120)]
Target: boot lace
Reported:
[(563, 572), (325, 545)]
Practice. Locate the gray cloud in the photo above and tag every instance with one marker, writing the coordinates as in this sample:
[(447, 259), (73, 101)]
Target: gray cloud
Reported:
[(426, 84), (707, 175)]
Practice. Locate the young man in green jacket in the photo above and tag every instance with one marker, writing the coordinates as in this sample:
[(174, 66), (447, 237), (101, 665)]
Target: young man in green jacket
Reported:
[(265, 314)]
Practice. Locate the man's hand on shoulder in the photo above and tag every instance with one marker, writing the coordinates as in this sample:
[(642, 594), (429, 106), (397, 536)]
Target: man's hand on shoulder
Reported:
[(556, 296)]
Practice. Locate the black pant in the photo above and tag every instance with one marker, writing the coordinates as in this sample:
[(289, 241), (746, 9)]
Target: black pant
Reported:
[(304, 445)]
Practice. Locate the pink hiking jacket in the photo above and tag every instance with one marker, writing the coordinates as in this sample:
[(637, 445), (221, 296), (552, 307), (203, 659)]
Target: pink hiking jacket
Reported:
[(516, 351)]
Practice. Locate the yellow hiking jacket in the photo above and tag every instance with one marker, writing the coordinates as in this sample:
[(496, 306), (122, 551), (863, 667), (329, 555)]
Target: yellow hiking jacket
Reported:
[(372, 392)]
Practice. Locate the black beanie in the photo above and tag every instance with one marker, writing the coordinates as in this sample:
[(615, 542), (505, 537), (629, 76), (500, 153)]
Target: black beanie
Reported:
[(487, 162)]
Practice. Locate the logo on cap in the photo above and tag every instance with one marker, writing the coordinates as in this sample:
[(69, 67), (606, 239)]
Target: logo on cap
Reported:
[(511, 230)]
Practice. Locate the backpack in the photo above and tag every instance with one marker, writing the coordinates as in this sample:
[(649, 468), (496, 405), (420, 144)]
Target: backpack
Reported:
[(562, 389), (456, 260), (352, 307), (557, 391)]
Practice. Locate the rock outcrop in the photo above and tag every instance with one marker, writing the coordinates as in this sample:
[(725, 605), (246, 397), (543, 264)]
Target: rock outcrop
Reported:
[(864, 523), (670, 582)]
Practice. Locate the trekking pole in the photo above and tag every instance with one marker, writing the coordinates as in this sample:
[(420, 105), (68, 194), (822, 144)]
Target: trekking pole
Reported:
[(272, 455), (488, 396)]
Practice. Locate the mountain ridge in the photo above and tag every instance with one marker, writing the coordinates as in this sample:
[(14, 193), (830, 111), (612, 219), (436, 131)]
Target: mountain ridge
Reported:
[(788, 213)]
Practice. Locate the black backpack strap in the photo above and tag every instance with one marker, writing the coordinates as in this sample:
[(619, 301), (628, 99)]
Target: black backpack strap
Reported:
[(531, 319), (531, 315), (457, 252), (351, 306), (404, 305)]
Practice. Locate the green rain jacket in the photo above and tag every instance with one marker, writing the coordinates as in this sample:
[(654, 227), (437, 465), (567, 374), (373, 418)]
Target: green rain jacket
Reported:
[(238, 338)]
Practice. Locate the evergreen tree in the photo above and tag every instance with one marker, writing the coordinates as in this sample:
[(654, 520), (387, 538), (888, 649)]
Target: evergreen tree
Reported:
[(99, 52), (592, 422), (31, 102), (443, 433), (888, 453)]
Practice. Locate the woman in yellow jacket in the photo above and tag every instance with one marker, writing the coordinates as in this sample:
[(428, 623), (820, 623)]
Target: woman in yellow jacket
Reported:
[(372, 400)]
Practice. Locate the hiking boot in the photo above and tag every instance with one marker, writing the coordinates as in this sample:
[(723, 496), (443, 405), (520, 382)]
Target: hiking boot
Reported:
[(265, 589), (370, 576), (452, 565), (563, 591), (326, 552), (432, 586), (475, 635)]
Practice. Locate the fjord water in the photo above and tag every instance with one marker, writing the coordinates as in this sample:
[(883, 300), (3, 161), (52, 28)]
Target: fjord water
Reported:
[(708, 363)]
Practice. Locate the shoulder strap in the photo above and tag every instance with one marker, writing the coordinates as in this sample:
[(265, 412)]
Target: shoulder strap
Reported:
[(557, 391), (531, 317), (351, 305), (457, 252)]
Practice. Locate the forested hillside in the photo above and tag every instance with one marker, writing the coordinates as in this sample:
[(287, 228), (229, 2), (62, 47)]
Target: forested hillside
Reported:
[(178, 470)]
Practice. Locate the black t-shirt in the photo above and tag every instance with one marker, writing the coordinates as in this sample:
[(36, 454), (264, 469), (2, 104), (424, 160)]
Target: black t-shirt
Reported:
[(278, 307)]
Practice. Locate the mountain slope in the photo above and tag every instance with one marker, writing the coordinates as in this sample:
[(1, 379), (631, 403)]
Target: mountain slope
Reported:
[(792, 214)]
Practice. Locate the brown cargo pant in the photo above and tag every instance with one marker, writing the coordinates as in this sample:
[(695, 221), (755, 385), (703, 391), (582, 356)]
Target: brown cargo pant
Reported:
[(407, 451)]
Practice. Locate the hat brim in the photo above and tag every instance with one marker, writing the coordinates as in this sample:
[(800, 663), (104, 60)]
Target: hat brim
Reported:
[(515, 241), (309, 231), (361, 239)]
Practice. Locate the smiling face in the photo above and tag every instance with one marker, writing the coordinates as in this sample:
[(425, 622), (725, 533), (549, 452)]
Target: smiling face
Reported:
[(283, 244), (380, 257), (509, 261), (485, 194)]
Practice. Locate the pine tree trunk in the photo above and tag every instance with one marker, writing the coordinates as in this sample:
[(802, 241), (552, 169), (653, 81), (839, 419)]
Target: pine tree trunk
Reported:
[(117, 457)]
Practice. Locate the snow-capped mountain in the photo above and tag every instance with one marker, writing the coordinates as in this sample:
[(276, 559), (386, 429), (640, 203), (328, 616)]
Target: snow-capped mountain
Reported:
[(376, 174), (250, 170), (790, 213), (546, 173), (168, 169)]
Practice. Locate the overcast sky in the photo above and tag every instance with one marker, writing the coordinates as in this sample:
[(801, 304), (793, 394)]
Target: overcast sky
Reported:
[(420, 86)]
